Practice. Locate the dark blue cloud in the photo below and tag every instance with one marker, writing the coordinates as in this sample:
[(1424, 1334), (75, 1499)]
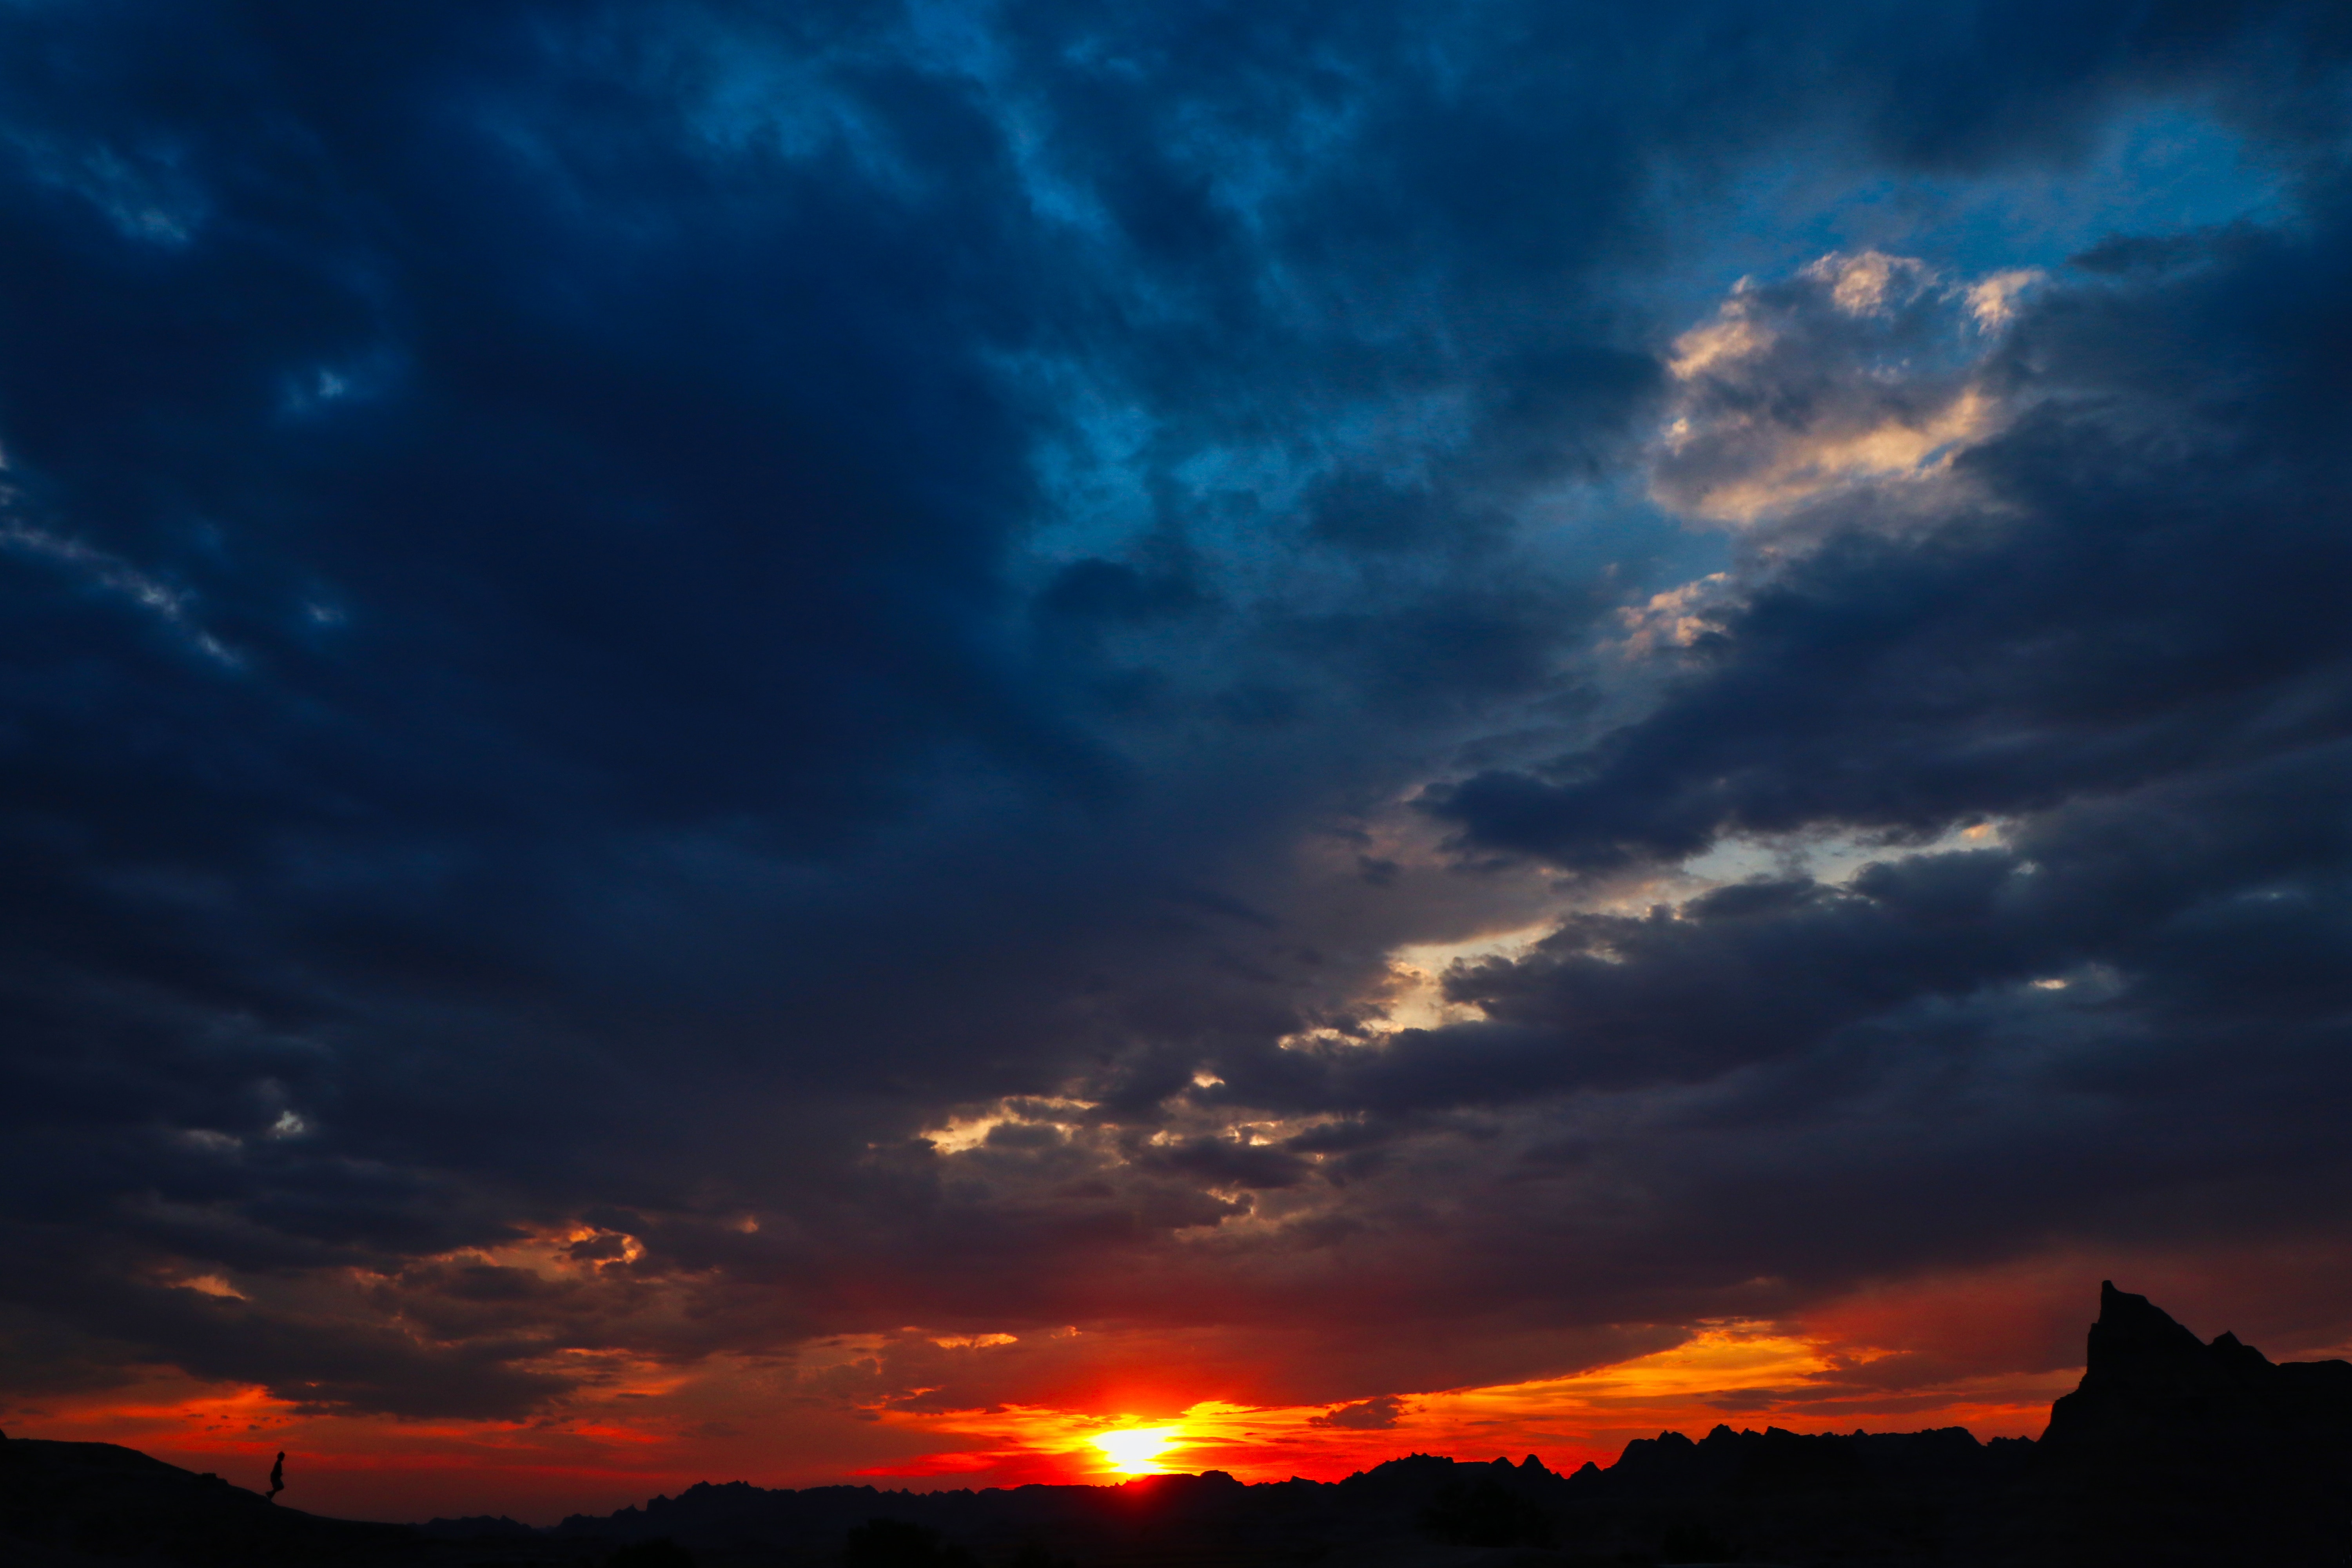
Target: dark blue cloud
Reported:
[(606, 615)]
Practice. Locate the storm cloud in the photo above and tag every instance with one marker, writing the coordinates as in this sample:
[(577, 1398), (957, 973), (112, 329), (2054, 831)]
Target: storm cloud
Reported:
[(677, 681)]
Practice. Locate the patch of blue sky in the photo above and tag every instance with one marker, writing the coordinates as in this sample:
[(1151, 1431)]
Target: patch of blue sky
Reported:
[(771, 102), (1241, 511), (1093, 469), (1610, 526), (757, 101), (1053, 194), (2164, 168), (145, 192), (952, 39), (1245, 506), (1252, 173)]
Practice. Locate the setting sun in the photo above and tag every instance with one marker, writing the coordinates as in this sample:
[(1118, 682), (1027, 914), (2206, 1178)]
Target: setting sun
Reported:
[(1136, 1450)]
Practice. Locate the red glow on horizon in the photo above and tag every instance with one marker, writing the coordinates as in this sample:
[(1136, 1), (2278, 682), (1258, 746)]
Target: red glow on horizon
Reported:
[(358, 1468), (638, 1436)]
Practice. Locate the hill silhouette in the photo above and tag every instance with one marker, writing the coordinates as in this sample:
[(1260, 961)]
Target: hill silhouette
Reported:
[(75, 1504), (2171, 1451)]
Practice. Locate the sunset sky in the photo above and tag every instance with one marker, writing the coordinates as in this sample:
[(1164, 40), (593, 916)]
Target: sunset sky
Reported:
[(807, 743)]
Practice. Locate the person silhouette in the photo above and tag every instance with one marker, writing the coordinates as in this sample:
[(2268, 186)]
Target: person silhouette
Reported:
[(277, 1477)]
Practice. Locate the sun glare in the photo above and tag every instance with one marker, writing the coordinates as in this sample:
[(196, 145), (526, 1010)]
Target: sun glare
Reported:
[(1136, 1451)]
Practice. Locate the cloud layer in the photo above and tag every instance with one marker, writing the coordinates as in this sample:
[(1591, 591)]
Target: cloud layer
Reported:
[(685, 685)]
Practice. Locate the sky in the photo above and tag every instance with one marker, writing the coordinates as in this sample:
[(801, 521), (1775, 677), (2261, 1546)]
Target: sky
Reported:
[(813, 742)]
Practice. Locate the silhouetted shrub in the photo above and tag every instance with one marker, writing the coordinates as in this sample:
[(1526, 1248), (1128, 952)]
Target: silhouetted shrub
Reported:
[(1693, 1544), (1485, 1514), (660, 1553), (1033, 1555), (890, 1543)]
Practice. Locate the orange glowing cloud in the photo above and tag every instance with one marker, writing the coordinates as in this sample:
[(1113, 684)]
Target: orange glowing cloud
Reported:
[(1743, 1372)]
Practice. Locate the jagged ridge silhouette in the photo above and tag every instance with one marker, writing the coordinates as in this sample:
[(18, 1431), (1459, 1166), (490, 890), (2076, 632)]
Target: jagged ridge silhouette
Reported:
[(2171, 1451)]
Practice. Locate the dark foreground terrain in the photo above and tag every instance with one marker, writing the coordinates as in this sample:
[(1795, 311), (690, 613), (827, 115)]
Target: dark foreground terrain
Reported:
[(2172, 1451)]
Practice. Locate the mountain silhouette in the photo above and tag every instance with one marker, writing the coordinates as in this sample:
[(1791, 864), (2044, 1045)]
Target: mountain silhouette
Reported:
[(2171, 1453), (2172, 1447), (74, 1503)]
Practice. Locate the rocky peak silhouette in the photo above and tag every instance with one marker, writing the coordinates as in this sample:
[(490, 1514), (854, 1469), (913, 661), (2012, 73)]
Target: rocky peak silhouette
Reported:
[(2147, 1379), (2174, 1450)]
